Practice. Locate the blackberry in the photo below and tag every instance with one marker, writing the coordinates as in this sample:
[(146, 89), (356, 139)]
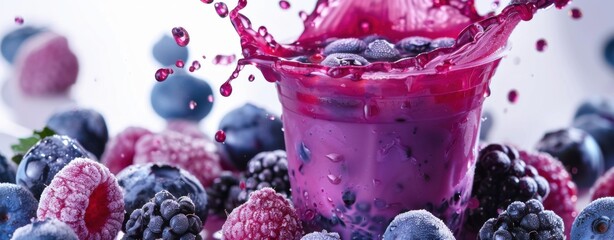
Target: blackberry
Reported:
[(165, 217), (223, 194), (501, 178), (524, 221), (267, 169)]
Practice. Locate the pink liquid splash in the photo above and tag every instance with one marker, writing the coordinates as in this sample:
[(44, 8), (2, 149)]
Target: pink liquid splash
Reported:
[(220, 136), (179, 63), (207, 1), (251, 78), (541, 45), (19, 20), (283, 4), (221, 9), (512, 96), (575, 13), (182, 38), (224, 59), (163, 73)]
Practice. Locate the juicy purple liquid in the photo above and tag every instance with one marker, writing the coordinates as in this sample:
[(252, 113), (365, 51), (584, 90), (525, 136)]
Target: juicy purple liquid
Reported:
[(182, 38)]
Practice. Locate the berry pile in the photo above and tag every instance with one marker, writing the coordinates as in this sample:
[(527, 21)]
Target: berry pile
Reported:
[(164, 217), (267, 169), (524, 221), (501, 178)]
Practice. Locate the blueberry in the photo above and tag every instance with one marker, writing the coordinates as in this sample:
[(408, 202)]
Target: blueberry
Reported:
[(534, 206), (442, 42), (40, 164), (602, 129), (595, 221), (608, 52), (140, 183), (417, 224), (48, 229), (516, 210), (155, 224), (169, 208), (345, 45), (179, 224), (322, 236), (414, 45), (530, 222), (182, 97), (496, 162), (86, 126), (13, 40), (7, 170), (344, 59), (373, 37), (17, 207), (167, 52), (349, 198), (596, 105), (381, 50), (250, 130), (503, 234), (578, 151)]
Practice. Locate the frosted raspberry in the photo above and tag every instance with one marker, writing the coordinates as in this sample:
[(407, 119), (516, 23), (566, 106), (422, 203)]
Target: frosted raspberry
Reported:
[(119, 152), (45, 65), (604, 187), (86, 196), (563, 192), (198, 156), (266, 215), (186, 127)]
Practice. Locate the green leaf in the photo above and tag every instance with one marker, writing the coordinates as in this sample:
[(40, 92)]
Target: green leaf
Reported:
[(23, 146)]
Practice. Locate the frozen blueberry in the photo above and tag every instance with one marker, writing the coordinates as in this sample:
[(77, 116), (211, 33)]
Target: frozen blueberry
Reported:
[(17, 207), (345, 45), (322, 236), (578, 151), (381, 50), (373, 37), (86, 126), (48, 229), (183, 97), (595, 221), (602, 129), (250, 130), (140, 183), (442, 42), (414, 45), (13, 40), (596, 105), (608, 52), (7, 170), (167, 52), (417, 224), (40, 164), (344, 59)]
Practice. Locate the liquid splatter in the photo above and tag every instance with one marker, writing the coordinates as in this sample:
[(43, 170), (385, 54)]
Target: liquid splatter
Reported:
[(19, 20), (541, 45), (179, 63), (226, 89), (182, 38), (283, 4), (163, 73), (220, 136), (221, 9), (207, 1), (512, 96), (575, 13), (251, 78), (196, 65), (224, 59)]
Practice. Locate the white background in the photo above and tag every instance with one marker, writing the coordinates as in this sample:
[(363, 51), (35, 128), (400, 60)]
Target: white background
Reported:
[(113, 41)]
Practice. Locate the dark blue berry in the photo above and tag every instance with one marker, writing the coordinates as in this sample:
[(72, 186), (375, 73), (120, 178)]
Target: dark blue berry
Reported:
[(167, 52), (414, 45), (48, 229), (17, 207), (349, 198), (608, 52), (140, 183), (381, 50), (249, 131), (578, 151), (267, 169), (596, 105), (602, 129), (417, 224), (13, 40), (344, 59), (40, 164), (345, 45), (182, 96), (442, 42), (155, 224), (7, 170), (321, 236), (86, 126), (516, 210), (179, 224), (595, 221), (169, 208), (223, 194), (530, 222), (523, 221)]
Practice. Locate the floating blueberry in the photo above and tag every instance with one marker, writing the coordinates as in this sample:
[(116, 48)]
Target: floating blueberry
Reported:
[(167, 52), (250, 130), (182, 96), (17, 207), (578, 151), (596, 105), (349, 198), (345, 45), (86, 126), (595, 221), (7, 170), (344, 59), (417, 224), (13, 40), (381, 50), (602, 130), (414, 45), (48, 229)]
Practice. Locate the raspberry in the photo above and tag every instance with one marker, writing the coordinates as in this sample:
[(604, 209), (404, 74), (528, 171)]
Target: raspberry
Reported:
[(604, 187), (563, 192), (501, 177), (267, 169), (165, 217), (266, 216), (197, 156), (45, 65), (524, 221), (86, 196), (119, 152), (223, 194), (189, 128)]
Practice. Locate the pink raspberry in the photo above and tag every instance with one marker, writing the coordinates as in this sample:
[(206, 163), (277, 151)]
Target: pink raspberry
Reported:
[(45, 65), (266, 215), (198, 156), (563, 192), (119, 152), (604, 187), (186, 127), (86, 196)]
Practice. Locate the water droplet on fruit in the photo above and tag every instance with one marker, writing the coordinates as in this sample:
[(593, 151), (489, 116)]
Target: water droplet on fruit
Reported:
[(335, 157), (220, 136), (283, 4), (192, 104), (179, 63), (226, 89), (334, 179), (512, 96), (163, 73), (251, 78), (19, 20), (541, 45), (182, 38), (221, 9), (575, 13), (487, 93), (224, 59)]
